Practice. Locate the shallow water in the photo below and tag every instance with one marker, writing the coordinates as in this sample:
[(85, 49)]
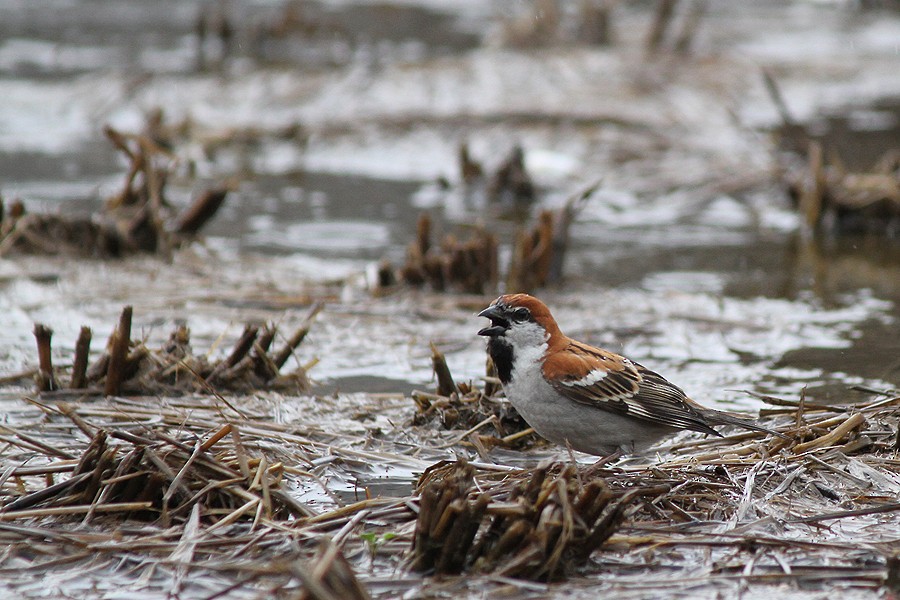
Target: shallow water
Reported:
[(691, 245)]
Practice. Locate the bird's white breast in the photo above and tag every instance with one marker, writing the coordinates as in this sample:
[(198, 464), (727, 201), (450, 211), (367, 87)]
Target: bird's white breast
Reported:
[(561, 420), (529, 344), (527, 376)]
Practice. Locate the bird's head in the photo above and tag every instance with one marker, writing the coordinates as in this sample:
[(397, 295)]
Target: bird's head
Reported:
[(519, 320)]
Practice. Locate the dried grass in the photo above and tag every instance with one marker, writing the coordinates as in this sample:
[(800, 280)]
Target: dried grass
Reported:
[(187, 494), (137, 219), (129, 367)]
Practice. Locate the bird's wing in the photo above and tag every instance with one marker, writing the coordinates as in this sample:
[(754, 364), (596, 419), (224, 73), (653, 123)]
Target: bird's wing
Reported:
[(611, 382)]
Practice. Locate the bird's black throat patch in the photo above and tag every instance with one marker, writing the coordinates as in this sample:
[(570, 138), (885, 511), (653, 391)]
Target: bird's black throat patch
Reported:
[(501, 353)]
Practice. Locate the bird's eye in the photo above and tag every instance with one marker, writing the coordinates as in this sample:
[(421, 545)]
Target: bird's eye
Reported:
[(522, 314)]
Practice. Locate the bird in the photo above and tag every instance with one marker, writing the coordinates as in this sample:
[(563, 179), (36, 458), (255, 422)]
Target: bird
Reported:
[(586, 398)]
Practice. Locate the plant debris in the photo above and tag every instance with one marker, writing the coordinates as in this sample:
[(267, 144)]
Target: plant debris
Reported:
[(184, 486), (151, 475), (542, 525), (204, 494), (511, 183), (832, 199), (472, 266), (549, 23), (469, 266), (137, 219), (129, 367), (829, 197), (486, 420)]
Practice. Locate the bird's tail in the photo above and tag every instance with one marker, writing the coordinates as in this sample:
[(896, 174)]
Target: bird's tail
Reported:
[(717, 417)]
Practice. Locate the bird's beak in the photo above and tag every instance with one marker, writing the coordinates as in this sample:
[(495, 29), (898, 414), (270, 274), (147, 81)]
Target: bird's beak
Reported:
[(497, 327)]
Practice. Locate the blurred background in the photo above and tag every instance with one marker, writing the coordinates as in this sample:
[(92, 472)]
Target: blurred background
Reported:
[(737, 163)]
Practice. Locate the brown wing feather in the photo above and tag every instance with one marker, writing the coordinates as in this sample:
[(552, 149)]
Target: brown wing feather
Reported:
[(620, 380), (666, 403), (624, 388)]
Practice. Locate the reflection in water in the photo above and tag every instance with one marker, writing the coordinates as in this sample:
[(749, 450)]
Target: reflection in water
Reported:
[(831, 267), (833, 270)]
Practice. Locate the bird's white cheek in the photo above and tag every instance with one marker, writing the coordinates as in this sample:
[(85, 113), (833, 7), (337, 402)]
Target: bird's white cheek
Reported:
[(527, 336)]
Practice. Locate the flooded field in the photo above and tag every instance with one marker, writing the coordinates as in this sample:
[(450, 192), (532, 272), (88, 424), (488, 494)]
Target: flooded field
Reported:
[(335, 125)]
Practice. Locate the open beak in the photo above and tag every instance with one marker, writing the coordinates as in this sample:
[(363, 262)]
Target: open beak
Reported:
[(498, 324)]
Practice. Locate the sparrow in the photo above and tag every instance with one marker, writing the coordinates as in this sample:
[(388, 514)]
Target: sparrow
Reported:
[(590, 399)]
